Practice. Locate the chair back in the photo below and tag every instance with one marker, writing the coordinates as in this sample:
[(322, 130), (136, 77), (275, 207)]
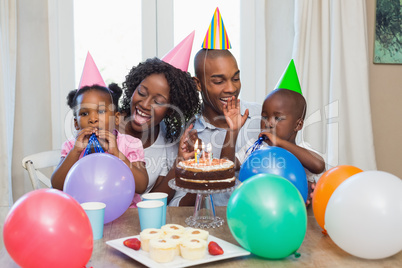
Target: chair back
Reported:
[(34, 162)]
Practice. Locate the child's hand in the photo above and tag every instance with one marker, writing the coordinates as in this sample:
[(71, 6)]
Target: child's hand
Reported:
[(311, 187), (81, 141), (233, 116), (187, 142), (271, 139), (108, 142)]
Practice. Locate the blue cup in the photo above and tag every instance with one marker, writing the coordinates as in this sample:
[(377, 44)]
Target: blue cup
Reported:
[(96, 214), (157, 197), (150, 214)]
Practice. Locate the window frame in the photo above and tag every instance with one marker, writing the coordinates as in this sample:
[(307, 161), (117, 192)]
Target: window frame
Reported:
[(157, 40)]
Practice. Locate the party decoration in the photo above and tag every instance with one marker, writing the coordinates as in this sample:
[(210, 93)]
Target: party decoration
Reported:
[(267, 216), (276, 160), (216, 36), (90, 74), (257, 145), (326, 185), (102, 178), (364, 215), (289, 79), (94, 144), (179, 56), (48, 228)]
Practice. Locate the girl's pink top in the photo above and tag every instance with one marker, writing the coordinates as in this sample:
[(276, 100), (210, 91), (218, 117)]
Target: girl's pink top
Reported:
[(130, 146)]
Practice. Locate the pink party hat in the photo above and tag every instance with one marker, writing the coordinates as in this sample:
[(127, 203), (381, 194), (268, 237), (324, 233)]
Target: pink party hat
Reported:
[(216, 37), (179, 56), (90, 74)]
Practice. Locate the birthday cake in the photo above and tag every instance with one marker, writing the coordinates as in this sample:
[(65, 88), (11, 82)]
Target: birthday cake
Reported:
[(205, 174)]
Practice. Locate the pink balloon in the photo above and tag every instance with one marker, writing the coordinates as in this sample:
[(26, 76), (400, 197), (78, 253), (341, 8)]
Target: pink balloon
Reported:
[(48, 228), (101, 177)]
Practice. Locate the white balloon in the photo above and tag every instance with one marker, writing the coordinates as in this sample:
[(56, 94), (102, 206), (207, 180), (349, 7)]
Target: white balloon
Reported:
[(364, 215)]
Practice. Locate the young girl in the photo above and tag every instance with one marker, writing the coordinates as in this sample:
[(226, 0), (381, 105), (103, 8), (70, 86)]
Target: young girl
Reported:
[(95, 111), (159, 101)]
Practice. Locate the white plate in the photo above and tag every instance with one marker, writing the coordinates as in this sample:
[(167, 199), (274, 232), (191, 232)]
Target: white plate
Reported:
[(230, 251)]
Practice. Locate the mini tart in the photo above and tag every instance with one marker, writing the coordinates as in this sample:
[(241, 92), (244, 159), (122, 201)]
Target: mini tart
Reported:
[(148, 234), (193, 248), (196, 233), (162, 249), (173, 229), (177, 239)]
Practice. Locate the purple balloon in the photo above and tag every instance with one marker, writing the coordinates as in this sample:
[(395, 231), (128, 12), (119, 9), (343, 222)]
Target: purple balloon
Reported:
[(102, 178)]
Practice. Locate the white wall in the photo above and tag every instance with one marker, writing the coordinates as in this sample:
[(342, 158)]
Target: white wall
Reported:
[(386, 109), (32, 88)]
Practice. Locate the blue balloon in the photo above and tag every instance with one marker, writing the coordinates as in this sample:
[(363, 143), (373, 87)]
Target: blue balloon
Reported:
[(278, 161)]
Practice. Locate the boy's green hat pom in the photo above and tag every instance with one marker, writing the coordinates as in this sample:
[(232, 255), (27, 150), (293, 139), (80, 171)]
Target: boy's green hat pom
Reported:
[(289, 79)]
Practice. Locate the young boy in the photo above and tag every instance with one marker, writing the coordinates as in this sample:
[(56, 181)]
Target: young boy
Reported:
[(282, 116)]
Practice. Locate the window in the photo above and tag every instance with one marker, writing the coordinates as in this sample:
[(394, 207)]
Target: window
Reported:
[(197, 15), (111, 32)]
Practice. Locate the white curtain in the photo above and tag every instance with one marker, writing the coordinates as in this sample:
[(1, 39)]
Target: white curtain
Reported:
[(8, 65), (331, 54), (328, 41)]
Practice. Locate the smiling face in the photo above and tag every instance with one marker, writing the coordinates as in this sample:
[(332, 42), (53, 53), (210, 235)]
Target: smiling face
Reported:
[(150, 102), (218, 79), (94, 110), (282, 114)]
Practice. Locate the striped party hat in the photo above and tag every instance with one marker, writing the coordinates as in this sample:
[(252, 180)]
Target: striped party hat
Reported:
[(90, 74), (216, 37)]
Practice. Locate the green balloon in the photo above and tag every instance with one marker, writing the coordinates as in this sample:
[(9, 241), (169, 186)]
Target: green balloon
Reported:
[(267, 216)]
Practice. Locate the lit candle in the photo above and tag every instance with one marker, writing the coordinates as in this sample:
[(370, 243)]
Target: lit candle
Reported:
[(209, 150), (203, 151), (198, 158), (196, 151)]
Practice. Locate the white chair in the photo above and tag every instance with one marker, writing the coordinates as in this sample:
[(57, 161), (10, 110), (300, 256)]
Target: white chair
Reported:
[(32, 163)]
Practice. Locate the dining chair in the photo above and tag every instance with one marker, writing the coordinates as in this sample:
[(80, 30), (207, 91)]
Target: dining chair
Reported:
[(34, 162)]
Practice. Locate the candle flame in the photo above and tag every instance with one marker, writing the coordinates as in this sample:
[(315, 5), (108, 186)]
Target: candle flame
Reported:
[(196, 145)]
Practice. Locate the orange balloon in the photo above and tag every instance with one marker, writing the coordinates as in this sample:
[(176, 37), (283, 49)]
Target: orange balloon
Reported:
[(326, 185)]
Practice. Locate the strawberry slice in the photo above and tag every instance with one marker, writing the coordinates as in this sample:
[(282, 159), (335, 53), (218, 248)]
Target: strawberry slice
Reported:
[(214, 248), (133, 243)]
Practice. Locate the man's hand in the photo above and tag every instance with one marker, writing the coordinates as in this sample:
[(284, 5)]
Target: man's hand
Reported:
[(233, 116)]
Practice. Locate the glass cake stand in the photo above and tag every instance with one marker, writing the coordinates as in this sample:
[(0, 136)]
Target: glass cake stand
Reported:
[(204, 209)]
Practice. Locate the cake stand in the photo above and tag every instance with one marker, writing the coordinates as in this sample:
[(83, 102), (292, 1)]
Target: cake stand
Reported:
[(204, 209)]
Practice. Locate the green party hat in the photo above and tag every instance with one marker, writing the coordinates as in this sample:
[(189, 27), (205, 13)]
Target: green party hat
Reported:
[(289, 79)]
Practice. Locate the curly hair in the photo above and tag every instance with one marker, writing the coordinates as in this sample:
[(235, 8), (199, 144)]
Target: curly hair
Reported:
[(183, 94), (114, 90)]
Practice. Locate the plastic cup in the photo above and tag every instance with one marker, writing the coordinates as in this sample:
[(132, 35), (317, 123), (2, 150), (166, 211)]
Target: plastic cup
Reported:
[(96, 214), (150, 214), (157, 197)]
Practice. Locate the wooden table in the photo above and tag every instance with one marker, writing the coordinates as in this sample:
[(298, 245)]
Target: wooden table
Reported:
[(317, 250)]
